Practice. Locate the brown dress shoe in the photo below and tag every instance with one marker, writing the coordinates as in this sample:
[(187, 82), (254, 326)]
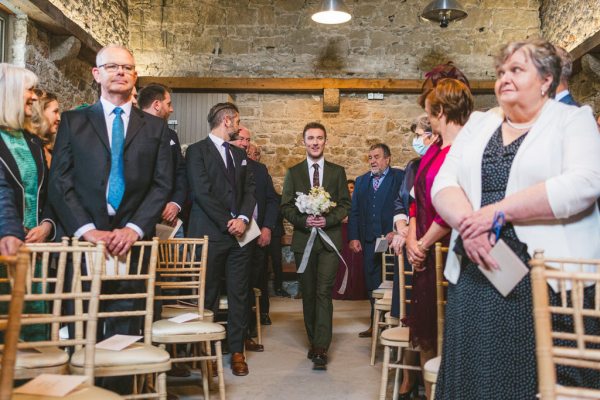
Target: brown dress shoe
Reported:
[(367, 333), (251, 345), (238, 364), (320, 359)]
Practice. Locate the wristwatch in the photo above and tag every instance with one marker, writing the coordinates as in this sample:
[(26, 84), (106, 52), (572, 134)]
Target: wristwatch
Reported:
[(421, 246)]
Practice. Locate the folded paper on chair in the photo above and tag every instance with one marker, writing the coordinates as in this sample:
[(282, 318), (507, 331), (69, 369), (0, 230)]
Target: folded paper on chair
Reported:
[(511, 269), (51, 385), (165, 231), (118, 342)]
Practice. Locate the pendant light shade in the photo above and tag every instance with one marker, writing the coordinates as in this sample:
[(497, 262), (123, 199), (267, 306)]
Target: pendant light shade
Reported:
[(444, 11), (332, 12)]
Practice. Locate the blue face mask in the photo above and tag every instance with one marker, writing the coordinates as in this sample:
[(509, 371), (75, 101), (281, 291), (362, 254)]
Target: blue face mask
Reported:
[(418, 145)]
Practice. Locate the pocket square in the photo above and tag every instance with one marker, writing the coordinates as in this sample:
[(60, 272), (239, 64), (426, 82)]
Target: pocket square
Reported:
[(244, 162), (172, 143)]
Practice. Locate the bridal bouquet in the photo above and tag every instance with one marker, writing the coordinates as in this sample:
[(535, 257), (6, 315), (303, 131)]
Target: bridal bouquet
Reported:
[(316, 202)]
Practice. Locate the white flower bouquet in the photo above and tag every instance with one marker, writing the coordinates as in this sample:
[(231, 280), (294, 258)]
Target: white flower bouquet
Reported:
[(316, 202)]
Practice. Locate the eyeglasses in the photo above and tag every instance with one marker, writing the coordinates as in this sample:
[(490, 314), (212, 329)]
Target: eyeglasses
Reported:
[(112, 68)]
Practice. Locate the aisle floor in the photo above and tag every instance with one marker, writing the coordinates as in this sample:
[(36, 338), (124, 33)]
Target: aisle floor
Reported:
[(282, 371)]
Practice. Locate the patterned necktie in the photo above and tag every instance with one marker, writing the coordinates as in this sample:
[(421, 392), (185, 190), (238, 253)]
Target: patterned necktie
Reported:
[(231, 176), (116, 180), (376, 179), (315, 181)]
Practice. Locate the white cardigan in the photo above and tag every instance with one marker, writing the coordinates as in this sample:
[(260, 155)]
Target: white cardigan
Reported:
[(561, 149)]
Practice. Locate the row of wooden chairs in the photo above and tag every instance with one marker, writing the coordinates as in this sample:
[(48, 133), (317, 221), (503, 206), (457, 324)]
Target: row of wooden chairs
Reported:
[(59, 273), (554, 346)]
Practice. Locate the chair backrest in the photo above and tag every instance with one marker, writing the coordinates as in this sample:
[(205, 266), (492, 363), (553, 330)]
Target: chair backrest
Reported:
[(387, 265), (403, 286), (137, 267), (181, 272), (441, 286), (567, 344), (56, 274), (16, 268)]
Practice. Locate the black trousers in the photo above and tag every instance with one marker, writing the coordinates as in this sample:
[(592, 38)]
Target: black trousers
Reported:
[(274, 251), (227, 260)]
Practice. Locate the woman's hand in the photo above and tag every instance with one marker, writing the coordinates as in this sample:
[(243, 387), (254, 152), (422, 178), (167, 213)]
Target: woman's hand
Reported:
[(9, 245), (477, 223), (39, 233), (414, 253), (478, 249)]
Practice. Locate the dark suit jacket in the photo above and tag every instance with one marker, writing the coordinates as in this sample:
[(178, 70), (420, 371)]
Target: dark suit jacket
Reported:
[(10, 224), (361, 215), (13, 178), (334, 182), (211, 190), (568, 99), (179, 193), (81, 168), (266, 198), (402, 202)]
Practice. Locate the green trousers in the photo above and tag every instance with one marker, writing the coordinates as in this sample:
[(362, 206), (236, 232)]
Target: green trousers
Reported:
[(316, 284)]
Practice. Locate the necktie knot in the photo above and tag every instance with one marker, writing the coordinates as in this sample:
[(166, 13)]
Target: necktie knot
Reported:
[(226, 145), (376, 179), (118, 111)]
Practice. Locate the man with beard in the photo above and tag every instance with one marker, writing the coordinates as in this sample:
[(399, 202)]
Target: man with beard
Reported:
[(372, 215), (316, 282), (222, 190)]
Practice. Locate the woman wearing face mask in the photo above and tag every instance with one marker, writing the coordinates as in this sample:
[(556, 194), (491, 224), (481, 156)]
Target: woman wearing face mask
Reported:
[(45, 120)]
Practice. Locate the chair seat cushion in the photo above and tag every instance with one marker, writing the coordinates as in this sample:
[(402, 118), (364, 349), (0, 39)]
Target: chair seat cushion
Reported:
[(137, 353), (380, 292), (385, 302), (170, 312), (431, 368), (165, 327), (85, 393), (44, 358), (397, 334)]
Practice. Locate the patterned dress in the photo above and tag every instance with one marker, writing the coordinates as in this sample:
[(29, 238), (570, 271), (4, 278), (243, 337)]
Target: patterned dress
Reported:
[(489, 341)]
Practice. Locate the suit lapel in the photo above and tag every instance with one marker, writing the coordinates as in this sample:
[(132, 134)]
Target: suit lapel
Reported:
[(96, 116), (216, 155), (306, 181), (326, 175), (136, 122)]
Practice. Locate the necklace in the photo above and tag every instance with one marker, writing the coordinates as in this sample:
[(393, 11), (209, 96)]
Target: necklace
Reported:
[(520, 126)]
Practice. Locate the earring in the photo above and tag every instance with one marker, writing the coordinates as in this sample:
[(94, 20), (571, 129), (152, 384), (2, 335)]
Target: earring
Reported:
[(543, 92)]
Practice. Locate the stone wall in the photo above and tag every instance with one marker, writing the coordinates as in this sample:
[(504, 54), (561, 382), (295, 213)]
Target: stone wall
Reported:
[(70, 80), (276, 123), (105, 20), (262, 38), (568, 23)]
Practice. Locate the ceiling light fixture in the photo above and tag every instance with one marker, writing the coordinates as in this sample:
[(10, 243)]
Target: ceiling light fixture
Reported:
[(332, 12), (444, 12)]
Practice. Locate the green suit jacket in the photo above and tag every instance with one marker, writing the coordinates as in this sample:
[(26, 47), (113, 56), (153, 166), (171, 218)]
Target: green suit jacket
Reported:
[(334, 182)]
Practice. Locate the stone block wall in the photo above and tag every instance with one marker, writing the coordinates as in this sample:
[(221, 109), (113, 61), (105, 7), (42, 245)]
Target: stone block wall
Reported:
[(262, 38), (276, 122), (105, 20), (71, 81), (568, 23)]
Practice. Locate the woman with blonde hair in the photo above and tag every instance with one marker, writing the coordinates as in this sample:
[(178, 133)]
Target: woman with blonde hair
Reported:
[(45, 120), (528, 173)]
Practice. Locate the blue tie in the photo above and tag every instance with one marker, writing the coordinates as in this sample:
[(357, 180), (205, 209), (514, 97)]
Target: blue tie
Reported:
[(116, 180)]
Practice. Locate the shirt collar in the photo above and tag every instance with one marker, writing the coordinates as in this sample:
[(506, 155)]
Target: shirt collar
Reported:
[(561, 95), (384, 173), (109, 107), (216, 140), (320, 161)]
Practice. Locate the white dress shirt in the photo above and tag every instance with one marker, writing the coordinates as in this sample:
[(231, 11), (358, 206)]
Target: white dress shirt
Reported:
[(109, 117), (321, 163)]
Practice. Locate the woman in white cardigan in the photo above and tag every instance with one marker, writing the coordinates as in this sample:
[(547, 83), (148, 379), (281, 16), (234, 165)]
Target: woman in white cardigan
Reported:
[(537, 163)]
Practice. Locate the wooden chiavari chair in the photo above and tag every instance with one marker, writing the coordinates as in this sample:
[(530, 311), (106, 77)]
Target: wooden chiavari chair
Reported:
[(382, 305)]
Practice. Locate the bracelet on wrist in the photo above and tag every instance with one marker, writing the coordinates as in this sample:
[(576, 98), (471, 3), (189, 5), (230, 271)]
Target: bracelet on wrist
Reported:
[(421, 246)]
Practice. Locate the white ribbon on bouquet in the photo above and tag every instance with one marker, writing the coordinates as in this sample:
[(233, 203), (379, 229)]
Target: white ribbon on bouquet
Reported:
[(308, 249)]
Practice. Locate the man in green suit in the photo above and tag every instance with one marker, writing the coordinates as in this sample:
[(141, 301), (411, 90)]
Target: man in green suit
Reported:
[(316, 283)]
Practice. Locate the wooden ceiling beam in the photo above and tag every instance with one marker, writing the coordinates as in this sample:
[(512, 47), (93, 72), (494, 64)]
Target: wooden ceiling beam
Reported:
[(295, 85)]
